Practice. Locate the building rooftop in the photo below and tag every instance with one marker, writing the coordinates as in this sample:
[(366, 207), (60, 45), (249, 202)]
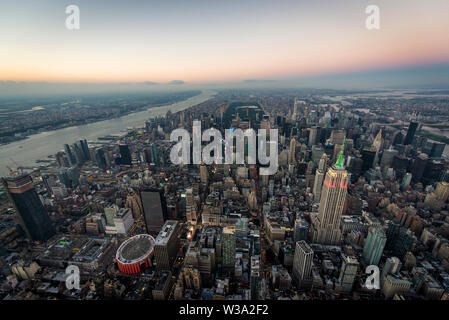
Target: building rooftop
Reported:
[(166, 232)]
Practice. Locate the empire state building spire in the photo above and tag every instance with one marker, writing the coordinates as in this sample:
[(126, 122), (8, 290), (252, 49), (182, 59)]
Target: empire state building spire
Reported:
[(340, 159)]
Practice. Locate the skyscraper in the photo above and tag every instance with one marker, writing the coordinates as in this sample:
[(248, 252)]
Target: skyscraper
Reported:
[(155, 154), (291, 151), (348, 272), (100, 158), (167, 245), (376, 146), (191, 207), (125, 155), (391, 266), (393, 229), (134, 203), (85, 149), (326, 225), (387, 158), (29, 209), (302, 262), (410, 133), (255, 277), (252, 200), (313, 136), (79, 150), (374, 246), (368, 157), (319, 178), (69, 154), (437, 150), (337, 139), (418, 167), (74, 175), (404, 242), (228, 247), (442, 191), (61, 159), (154, 209), (377, 142)]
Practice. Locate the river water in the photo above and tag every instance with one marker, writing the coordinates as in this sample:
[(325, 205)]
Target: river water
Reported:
[(39, 146)]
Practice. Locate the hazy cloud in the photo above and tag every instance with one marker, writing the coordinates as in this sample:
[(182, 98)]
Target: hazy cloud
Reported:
[(257, 80), (176, 82)]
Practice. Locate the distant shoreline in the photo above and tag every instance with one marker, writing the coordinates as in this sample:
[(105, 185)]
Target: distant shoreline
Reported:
[(78, 123), (89, 121), (39, 146)]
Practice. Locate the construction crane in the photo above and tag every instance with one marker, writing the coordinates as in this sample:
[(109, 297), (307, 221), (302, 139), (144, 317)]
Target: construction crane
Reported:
[(11, 171), (18, 166)]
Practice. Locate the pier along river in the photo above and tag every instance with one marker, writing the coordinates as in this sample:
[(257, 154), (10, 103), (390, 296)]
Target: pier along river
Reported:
[(41, 145)]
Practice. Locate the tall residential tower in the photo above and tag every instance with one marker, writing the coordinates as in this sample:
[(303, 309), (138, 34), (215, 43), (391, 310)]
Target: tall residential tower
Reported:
[(319, 178), (29, 209), (302, 262), (374, 246)]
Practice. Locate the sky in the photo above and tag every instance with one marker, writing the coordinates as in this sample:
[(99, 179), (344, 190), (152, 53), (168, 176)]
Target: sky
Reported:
[(221, 42)]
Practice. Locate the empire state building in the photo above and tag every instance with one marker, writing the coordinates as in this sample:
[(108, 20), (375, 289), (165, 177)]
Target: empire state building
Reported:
[(326, 225)]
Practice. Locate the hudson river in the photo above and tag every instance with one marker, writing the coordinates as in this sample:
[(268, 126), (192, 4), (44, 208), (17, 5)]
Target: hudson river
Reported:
[(40, 146)]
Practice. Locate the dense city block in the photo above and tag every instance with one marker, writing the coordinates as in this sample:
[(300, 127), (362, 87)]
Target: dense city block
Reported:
[(362, 183)]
